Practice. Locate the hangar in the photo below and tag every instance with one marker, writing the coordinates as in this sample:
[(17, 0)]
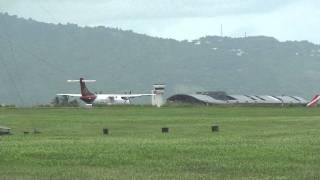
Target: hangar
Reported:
[(220, 97)]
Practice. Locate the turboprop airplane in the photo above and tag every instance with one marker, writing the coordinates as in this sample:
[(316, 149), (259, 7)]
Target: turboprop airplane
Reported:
[(92, 98), (314, 101)]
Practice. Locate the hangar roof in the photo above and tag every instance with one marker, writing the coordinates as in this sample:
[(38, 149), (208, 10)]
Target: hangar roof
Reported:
[(270, 99), (291, 99), (206, 98), (243, 99), (193, 98)]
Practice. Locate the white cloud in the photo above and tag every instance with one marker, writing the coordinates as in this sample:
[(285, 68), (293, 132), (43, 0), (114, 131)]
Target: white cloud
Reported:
[(297, 21), (142, 9), (182, 19)]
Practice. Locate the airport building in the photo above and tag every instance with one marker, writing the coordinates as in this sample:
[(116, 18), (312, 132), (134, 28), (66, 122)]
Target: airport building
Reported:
[(222, 98), (157, 98)]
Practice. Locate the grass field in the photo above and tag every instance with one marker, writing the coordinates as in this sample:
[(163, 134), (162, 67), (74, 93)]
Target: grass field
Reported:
[(253, 143)]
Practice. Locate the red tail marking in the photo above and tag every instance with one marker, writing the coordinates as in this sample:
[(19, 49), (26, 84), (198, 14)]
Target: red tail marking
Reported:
[(84, 89), (87, 96), (314, 101)]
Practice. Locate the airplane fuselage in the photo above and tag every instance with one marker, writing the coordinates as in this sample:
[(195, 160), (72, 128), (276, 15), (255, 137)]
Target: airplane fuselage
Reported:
[(92, 98), (105, 99), (111, 99)]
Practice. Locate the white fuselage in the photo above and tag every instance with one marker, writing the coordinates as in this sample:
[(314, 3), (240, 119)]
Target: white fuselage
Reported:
[(91, 98), (110, 99)]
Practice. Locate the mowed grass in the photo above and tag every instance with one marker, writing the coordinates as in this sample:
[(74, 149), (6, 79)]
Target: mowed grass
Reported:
[(253, 143)]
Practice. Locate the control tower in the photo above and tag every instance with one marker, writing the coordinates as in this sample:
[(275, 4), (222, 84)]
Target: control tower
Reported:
[(157, 99)]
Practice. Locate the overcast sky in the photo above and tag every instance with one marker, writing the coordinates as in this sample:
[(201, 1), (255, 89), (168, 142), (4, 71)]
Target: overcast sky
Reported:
[(182, 19)]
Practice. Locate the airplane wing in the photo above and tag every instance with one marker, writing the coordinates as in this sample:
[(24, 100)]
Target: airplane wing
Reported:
[(71, 95), (134, 95)]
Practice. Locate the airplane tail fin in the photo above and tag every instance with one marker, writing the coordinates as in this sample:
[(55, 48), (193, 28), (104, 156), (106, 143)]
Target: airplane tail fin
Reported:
[(84, 90), (83, 87), (314, 101)]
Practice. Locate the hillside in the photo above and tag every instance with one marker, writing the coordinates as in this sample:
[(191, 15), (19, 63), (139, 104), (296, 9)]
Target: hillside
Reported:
[(37, 58)]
